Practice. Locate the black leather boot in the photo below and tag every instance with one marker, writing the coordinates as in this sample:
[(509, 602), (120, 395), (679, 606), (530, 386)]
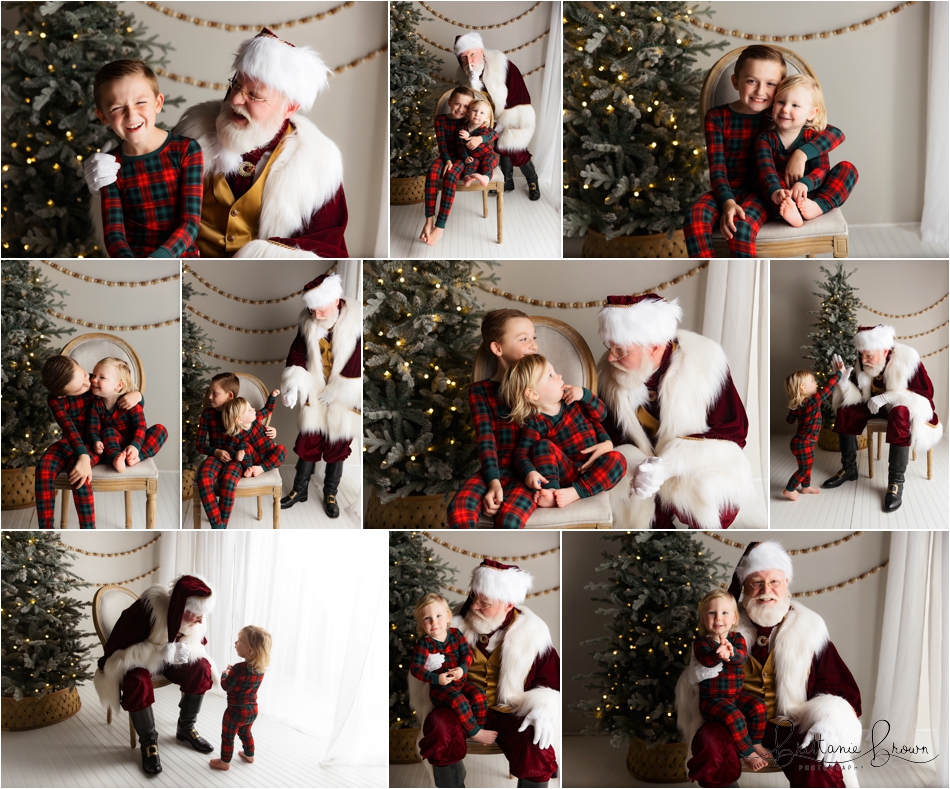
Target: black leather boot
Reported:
[(190, 706), (331, 483), (524, 783), (896, 466), (144, 723), (532, 175), (849, 462), (508, 170), (451, 776), (301, 487)]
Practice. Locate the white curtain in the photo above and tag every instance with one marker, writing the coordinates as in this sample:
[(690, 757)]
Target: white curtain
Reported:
[(936, 214), (548, 136), (351, 272)]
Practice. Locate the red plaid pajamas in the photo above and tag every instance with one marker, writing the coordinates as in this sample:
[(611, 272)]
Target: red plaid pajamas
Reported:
[(211, 435), (466, 700), (259, 449), (484, 158), (226, 475), (451, 149), (722, 698), (241, 685), (809, 426), (118, 429)]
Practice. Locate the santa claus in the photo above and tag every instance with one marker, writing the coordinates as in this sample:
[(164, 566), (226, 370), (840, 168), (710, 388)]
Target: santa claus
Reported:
[(890, 381), (517, 667), (515, 120), (273, 182), (161, 633), (323, 380), (671, 401), (812, 701)]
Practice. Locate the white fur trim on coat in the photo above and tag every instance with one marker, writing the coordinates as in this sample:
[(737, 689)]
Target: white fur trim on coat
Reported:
[(630, 512), (260, 249), (516, 124), (881, 337), (644, 323)]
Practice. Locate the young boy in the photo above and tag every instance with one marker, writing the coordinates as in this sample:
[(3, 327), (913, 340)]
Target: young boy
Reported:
[(154, 207)]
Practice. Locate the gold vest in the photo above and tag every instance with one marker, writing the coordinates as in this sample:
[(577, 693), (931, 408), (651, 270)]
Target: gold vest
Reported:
[(326, 356), (484, 671), (760, 681)]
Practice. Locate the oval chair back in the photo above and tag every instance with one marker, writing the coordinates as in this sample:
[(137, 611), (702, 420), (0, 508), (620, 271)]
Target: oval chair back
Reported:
[(107, 606), (254, 391)]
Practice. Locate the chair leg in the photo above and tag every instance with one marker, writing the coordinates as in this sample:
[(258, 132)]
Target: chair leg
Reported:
[(260, 508), (277, 492), (501, 214), (871, 454), (930, 463), (109, 716), (485, 203), (196, 508), (915, 455), (879, 437), (131, 732), (151, 503), (840, 246), (64, 510)]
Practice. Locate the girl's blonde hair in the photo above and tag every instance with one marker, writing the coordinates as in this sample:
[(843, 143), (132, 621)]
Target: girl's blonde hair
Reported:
[(523, 375), (231, 411), (259, 643), (820, 121), (427, 600), (793, 388), (716, 594), (122, 372), (491, 113)]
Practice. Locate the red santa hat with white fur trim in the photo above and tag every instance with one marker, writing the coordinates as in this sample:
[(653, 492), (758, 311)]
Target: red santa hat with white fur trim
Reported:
[(189, 593), (648, 319), (297, 72), (323, 291), (468, 41), (768, 555), (874, 338), (505, 583)]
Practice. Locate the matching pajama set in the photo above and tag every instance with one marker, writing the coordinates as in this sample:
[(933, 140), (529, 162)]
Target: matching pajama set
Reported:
[(551, 445), (118, 429), (241, 684), (484, 157), (803, 442), (465, 699), (722, 698), (451, 149)]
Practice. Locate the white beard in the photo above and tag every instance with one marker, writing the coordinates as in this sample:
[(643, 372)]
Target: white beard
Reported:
[(634, 379), (475, 75), (324, 324), (237, 140), (484, 626), (767, 615), (874, 372)]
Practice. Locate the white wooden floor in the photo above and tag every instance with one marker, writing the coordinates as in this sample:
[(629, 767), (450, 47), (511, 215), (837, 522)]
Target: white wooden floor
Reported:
[(531, 229), (85, 751), (857, 505), (310, 514), (490, 772), (110, 508), (592, 761)]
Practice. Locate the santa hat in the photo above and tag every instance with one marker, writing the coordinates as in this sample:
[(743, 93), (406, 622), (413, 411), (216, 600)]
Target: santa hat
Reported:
[(468, 41), (189, 594), (323, 291), (639, 320), (297, 72), (758, 557), (505, 583), (874, 338)]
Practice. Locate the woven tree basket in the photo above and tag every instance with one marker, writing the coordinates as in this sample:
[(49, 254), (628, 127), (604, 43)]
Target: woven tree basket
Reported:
[(411, 512), (18, 490), (187, 483), (407, 191), (35, 713), (402, 746), (597, 245), (661, 764)]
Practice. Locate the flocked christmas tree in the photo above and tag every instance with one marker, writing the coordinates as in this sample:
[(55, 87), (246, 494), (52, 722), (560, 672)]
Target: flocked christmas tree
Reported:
[(195, 377), (42, 643), (414, 571), (655, 585), (412, 146), (633, 137), (28, 424), (421, 331), (49, 124)]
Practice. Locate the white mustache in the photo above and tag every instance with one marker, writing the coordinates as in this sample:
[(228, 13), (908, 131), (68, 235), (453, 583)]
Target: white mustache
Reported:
[(239, 110)]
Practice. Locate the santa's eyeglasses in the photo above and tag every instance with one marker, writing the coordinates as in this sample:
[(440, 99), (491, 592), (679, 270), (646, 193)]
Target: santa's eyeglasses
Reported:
[(758, 586), (616, 351), (239, 88)]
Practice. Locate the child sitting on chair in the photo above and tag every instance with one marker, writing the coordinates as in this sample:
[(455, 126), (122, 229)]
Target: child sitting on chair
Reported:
[(562, 443), (247, 442), (119, 436), (799, 116), (479, 136)]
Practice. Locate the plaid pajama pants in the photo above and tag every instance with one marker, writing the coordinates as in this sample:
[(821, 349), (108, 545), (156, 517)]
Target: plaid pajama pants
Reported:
[(467, 701), (227, 475), (114, 442), (836, 187), (483, 165), (703, 219), (237, 720), (56, 460), (449, 183), (743, 715), (551, 462), (804, 451), (516, 506)]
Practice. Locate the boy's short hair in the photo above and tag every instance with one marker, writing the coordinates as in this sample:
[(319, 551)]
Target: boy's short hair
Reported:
[(491, 112), (793, 388), (57, 372), (427, 600), (122, 371), (820, 121), (120, 69), (715, 594), (760, 52), (229, 382), (259, 642), (494, 322), (230, 413), (461, 90)]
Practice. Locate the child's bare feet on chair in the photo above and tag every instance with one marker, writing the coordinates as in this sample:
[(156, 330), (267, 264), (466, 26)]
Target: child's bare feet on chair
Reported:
[(245, 757), (791, 495), (809, 209), (119, 463), (217, 764), (545, 498), (485, 737), (790, 213), (755, 761), (469, 180), (566, 496), (812, 490), (482, 179), (762, 751), (434, 235)]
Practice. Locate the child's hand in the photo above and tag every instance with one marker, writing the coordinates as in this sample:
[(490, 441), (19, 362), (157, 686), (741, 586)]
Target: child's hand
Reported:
[(572, 393), (131, 455), (723, 651), (730, 212), (448, 166), (474, 142), (129, 400), (444, 679), (795, 168), (271, 431), (254, 471), (534, 480), (275, 393), (221, 454), (492, 500), (239, 456), (469, 159), (98, 447), (596, 451), (464, 134), (837, 363), (455, 673), (799, 192), (81, 472), (779, 195)]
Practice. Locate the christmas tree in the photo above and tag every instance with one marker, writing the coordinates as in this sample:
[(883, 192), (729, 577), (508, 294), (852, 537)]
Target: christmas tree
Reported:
[(28, 424), (42, 643), (656, 583), (633, 138), (421, 331), (49, 120), (414, 571), (412, 146), (195, 378)]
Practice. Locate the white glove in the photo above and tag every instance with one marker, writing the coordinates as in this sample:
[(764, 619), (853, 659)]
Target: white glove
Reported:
[(648, 477), (325, 399), (828, 745), (543, 728), (877, 402), (434, 661), (182, 652), (697, 672), (837, 363), (289, 398), (101, 169)]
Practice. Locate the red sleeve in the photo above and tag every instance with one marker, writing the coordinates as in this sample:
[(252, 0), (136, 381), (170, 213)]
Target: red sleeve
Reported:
[(297, 355), (705, 651), (190, 190), (517, 90), (828, 388), (354, 366), (137, 417), (830, 675), (93, 423), (113, 222), (769, 178), (727, 418), (920, 384), (740, 650), (716, 155), (70, 432), (323, 234), (545, 673), (204, 432), (133, 627), (530, 436)]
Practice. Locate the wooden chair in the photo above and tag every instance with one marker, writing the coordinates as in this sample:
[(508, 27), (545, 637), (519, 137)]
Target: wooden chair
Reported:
[(267, 484), (497, 182), (107, 606), (878, 427), (776, 239), (570, 355), (87, 349)]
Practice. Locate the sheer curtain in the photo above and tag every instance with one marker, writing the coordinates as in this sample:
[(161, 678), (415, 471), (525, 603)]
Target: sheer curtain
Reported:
[(548, 136), (936, 214)]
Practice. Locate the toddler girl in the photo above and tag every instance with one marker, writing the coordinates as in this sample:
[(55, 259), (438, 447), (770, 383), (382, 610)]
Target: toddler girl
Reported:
[(482, 160), (804, 403), (722, 698), (241, 683), (247, 442), (120, 437), (561, 443), (799, 116)]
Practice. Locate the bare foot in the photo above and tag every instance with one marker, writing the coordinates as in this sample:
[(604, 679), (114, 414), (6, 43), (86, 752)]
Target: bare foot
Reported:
[(427, 228), (810, 489), (434, 235), (809, 209), (789, 212), (545, 498), (217, 764), (482, 179), (132, 459), (250, 759), (119, 463), (762, 751), (485, 737), (791, 495), (468, 180), (566, 496), (755, 761)]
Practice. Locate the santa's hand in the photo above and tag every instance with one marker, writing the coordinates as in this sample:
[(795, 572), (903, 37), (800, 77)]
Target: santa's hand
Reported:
[(324, 398), (434, 661), (101, 169), (877, 402), (697, 672), (290, 397), (543, 728), (182, 652), (828, 746), (648, 477)]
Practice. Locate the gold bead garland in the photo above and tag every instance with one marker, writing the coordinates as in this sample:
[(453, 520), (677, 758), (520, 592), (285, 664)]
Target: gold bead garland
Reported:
[(246, 28), (794, 552), (806, 37), (485, 556), (440, 78), (923, 333), (934, 353), (241, 361), (155, 539), (238, 328), (843, 584), (432, 11), (462, 592), (909, 314), (507, 51), (203, 281), (79, 322), (110, 283), (131, 580)]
